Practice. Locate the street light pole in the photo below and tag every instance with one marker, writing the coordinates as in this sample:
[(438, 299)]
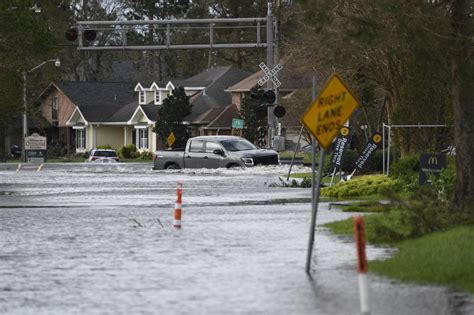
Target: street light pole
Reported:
[(57, 63)]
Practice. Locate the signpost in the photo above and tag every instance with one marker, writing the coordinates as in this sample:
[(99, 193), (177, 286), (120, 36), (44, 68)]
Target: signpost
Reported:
[(328, 113), (341, 144), (237, 123), (323, 119), (35, 148), (170, 140), (270, 74), (374, 143), (431, 166)]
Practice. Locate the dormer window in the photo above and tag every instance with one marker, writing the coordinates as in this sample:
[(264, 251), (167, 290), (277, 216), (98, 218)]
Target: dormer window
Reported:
[(157, 97), (141, 97)]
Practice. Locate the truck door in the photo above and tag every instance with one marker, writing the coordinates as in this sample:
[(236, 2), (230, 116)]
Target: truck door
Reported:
[(194, 156), (212, 160)]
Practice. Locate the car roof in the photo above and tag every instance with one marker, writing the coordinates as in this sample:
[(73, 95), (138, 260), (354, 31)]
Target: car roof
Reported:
[(217, 138)]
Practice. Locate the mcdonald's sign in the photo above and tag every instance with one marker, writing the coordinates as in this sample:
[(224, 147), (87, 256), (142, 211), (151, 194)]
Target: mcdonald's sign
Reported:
[(430, 166)]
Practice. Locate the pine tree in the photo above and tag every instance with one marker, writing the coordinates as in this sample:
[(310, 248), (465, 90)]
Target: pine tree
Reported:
[(171, 116), (255, 125)]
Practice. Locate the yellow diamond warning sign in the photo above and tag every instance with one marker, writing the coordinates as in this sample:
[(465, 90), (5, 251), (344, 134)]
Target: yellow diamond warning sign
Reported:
[(328, 113), (171, 139)]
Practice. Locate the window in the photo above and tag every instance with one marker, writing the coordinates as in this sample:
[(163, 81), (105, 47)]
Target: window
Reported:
[(196, 146), (55, 108), (157, 97), (142, 138), (80, 139), (141, 97), (211, 146), (238, 145)]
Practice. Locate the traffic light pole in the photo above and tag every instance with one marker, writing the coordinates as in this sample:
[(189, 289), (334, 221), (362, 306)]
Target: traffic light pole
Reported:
[(270, 62)]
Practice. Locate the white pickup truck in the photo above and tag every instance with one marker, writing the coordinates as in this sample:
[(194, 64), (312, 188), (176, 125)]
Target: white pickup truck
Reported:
[(215, 152)]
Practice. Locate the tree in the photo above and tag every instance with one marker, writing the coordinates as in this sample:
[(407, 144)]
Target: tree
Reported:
[(462, 71), (255, 119), (419, 55), (25, 41), (375, 41), (171, 118)]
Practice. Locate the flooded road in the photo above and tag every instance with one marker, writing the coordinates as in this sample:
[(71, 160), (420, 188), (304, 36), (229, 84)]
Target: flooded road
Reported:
[(82, 239)]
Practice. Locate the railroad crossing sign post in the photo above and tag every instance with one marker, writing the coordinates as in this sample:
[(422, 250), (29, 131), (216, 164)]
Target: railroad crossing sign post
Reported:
[(270, 78), (270, 75), (323, 119)]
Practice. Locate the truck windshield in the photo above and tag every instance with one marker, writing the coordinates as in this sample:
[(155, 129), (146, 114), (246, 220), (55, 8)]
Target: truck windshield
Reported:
[(238, 145)]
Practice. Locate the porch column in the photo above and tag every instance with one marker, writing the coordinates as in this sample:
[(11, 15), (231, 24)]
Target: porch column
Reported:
[(125, 135), (94, 136)]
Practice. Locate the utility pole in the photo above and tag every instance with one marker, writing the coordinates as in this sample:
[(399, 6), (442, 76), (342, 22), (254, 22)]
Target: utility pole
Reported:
[(270, 62)]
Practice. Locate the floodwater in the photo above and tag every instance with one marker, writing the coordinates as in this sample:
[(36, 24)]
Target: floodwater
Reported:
[(98, 239)]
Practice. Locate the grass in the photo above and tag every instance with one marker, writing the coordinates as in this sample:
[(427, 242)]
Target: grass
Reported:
[(444, 258), (373, 206)]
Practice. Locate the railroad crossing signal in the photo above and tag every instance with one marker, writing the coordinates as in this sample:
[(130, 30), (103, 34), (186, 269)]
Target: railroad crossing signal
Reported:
[(270, 74)]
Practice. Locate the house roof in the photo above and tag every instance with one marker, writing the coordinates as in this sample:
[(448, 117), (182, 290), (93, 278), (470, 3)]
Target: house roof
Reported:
[(151, 111), (289, 78), (98, 93), (216, 80), (224, 119), (218, 118), (208, 116), (124, 113), (98, 113)]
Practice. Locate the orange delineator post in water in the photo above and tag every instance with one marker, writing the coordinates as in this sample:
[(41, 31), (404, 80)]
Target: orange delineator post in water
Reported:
[(362, 268), (177, 207)]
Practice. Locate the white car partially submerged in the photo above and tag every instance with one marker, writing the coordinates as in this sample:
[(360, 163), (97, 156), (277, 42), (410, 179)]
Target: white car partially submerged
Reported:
[(103, 156)]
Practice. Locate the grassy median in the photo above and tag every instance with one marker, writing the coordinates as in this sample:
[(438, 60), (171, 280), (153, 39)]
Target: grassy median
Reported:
[(444, 258)]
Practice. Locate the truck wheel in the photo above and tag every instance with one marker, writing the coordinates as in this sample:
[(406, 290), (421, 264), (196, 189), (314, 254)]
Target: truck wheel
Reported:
[(172, 166), (232, 166)]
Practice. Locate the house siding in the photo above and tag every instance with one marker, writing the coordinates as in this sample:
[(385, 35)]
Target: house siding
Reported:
[(110, 135), (236, 99), (66, 107)]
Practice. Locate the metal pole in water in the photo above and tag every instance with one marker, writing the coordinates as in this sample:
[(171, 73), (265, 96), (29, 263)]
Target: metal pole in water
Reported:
[(314, 212), (294, 153), (314, 191), (361, 264)]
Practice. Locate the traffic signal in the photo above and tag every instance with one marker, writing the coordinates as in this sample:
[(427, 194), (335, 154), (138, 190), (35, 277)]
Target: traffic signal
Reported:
[(71, 34), (265, 99), (279, 111), (89, 35)]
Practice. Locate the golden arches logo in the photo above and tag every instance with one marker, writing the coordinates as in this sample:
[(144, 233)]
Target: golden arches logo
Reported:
[(433, 160), (344, 131), (377, 138)]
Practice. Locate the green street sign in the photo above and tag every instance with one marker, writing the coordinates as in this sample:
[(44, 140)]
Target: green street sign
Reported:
[(237, 123)]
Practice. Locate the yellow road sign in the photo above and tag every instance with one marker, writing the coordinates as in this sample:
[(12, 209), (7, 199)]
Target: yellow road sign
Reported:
[(328, 113), (171, 139)]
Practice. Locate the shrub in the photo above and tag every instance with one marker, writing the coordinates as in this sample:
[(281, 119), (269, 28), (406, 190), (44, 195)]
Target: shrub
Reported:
[(361, 186), (56, 150), (127, 151), (146, 155), (104, 147), (406, 169)]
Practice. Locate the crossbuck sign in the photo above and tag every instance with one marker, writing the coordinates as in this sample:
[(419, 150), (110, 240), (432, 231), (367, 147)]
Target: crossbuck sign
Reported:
[(270, 74)]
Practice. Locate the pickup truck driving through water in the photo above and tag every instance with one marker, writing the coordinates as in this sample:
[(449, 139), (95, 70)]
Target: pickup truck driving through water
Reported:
[(214, 152)]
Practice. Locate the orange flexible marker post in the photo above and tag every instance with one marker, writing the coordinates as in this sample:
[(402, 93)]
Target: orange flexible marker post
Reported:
[(362, 268), (177, 207)]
